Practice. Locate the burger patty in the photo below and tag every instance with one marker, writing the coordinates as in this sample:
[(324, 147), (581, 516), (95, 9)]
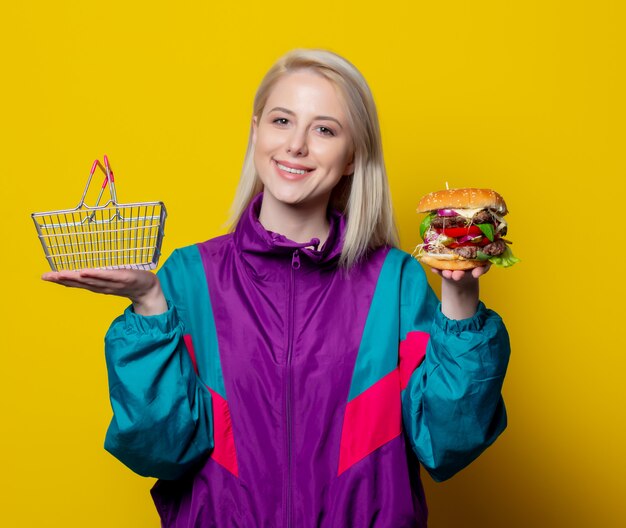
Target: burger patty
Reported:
[(468, 252), (440, 222), (494, 249), (482, 217)]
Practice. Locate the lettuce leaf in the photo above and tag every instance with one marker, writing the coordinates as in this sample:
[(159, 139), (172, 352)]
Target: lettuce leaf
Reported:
[(505, 260), (487, 230), (426, 223)]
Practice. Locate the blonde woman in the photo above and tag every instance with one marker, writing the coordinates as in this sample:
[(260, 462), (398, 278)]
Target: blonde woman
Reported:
[(296, 371)]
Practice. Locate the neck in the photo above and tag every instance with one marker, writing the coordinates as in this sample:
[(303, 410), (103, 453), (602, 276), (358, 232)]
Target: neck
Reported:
[(299, 223)]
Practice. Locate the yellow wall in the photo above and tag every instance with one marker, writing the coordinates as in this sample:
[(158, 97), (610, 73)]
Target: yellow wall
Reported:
[(525, 97)]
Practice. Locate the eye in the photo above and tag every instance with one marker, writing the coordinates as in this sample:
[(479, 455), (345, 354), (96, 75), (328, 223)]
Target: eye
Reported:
[(280, 121), (325, 131)]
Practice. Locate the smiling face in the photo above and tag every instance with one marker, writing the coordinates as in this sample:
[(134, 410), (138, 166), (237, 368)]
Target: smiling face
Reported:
[(302, 143)]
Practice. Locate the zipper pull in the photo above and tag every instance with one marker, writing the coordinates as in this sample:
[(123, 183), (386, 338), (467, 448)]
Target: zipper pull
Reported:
[(295, 260)]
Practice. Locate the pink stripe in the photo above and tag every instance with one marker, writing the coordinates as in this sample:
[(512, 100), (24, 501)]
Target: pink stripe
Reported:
[(224, 442), (192, 352), (412, 352), (224, 451), (371, 420)]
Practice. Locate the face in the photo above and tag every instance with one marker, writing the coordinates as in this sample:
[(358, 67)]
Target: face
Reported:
[(302, 144)]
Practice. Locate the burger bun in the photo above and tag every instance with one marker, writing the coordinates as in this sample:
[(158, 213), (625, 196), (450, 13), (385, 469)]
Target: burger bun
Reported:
[(457, 263), (465, 198)]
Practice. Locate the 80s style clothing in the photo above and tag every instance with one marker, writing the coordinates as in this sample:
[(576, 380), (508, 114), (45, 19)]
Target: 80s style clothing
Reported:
[(281, 391)]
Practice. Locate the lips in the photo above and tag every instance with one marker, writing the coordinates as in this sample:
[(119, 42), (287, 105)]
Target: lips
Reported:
[(291, 171), (293, 165)]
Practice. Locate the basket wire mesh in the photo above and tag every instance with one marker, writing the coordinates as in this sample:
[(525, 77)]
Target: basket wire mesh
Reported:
[(110, 236)]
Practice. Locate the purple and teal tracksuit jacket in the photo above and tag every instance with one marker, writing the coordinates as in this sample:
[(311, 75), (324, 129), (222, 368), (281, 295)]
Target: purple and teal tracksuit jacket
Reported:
[(279, 391)]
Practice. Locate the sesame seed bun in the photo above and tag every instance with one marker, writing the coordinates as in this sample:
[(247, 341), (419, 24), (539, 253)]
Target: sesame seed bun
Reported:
[(467, 198)]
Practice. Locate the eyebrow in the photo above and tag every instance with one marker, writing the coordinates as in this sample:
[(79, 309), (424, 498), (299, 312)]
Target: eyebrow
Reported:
[(320, 117)]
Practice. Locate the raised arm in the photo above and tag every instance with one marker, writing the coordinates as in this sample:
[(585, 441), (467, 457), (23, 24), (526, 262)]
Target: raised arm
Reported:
[(162, 413), (452, 406)]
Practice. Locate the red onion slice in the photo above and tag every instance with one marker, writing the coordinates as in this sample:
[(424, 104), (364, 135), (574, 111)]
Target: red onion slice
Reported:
[(447, 212), (469, 238)]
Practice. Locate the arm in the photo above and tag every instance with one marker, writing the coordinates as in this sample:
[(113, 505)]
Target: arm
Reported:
[(452, 406), (162, 415), (459, 291)]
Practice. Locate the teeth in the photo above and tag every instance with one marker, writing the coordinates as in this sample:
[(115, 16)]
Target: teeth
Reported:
[(289, 169)]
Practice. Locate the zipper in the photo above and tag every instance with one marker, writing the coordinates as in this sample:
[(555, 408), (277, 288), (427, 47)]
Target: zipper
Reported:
[(295, 265)]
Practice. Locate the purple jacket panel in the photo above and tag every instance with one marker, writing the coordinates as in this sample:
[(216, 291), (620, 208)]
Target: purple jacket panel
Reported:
[(289, 326)]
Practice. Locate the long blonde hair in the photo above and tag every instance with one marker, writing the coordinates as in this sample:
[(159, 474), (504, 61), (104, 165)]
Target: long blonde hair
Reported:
[(363, 197)]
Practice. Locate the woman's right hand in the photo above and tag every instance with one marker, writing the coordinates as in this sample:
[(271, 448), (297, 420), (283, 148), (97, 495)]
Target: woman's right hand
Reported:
[(141, 287)]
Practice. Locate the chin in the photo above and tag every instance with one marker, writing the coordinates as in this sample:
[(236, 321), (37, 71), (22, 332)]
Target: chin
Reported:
[(283, 196)]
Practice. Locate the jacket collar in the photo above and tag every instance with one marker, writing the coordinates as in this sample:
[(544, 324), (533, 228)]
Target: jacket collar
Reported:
[(252, 238)]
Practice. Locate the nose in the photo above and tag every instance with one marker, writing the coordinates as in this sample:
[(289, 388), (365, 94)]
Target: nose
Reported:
[(297, 143)]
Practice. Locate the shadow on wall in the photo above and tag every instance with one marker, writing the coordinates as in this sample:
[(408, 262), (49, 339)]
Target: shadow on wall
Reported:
[(505, 488)]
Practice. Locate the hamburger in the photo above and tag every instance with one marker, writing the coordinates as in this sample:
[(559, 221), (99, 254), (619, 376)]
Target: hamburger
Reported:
[(464, 229)]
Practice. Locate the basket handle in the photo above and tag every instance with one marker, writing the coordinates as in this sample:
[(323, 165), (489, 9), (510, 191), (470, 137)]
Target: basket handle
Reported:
[(109, 178)]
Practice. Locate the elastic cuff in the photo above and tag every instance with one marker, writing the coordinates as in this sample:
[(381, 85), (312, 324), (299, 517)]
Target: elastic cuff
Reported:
[(163, 323), (456, 326)]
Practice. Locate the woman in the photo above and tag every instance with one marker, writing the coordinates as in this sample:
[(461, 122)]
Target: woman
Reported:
[(294, 371)]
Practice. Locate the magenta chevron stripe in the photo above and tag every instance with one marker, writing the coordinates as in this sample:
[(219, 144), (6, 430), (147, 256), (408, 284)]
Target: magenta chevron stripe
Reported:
[(412, 352), (224, 442), (371, 420)]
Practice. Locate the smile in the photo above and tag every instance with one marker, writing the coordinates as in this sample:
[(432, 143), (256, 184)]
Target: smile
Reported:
[(292, 171)]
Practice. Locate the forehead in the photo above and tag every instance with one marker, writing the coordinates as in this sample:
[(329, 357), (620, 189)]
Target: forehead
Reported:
[(306, 92)]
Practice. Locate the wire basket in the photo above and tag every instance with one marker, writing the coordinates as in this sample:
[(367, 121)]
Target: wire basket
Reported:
[(109, 236)]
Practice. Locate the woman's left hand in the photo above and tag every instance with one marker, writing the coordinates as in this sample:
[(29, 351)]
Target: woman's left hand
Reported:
[(459, 291)]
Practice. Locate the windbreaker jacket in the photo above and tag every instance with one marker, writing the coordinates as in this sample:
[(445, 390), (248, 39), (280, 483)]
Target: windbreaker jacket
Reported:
[(279, 391)]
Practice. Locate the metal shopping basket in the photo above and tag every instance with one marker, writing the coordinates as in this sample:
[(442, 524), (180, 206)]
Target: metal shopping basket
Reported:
[(110, 236)]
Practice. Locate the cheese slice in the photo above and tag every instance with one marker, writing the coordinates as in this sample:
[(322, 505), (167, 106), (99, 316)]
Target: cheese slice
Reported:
[(467, 213)]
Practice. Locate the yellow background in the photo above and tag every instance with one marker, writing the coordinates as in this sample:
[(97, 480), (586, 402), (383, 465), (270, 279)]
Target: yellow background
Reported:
[(525, 97)]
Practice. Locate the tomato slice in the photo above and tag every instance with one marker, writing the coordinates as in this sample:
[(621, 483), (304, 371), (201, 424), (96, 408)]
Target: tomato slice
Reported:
[(457, 232)]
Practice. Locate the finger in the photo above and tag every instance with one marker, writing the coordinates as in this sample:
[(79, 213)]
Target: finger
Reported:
[(481, 270), (458, 275), (435, 271), (98, 283), (83, 286), (72, 283), (90, 278), (54, 276), (117, 275), (74, 278), (103, 278), (96, 286)]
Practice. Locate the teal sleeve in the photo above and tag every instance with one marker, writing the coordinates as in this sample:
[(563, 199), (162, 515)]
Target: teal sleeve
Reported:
[(162, 414), (452, 406)]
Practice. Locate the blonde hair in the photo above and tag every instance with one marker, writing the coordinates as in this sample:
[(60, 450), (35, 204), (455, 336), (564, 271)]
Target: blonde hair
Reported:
[(363, 197)]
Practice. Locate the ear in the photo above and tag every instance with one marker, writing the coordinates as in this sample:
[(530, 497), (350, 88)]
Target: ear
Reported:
[(349, 167), (254, 129)]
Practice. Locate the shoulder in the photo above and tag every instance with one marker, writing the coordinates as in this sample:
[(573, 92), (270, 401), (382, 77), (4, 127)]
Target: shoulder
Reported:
[(401, 264), (394, 269), (408, 273), (189, 261), (192, 254), (215, 247)]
